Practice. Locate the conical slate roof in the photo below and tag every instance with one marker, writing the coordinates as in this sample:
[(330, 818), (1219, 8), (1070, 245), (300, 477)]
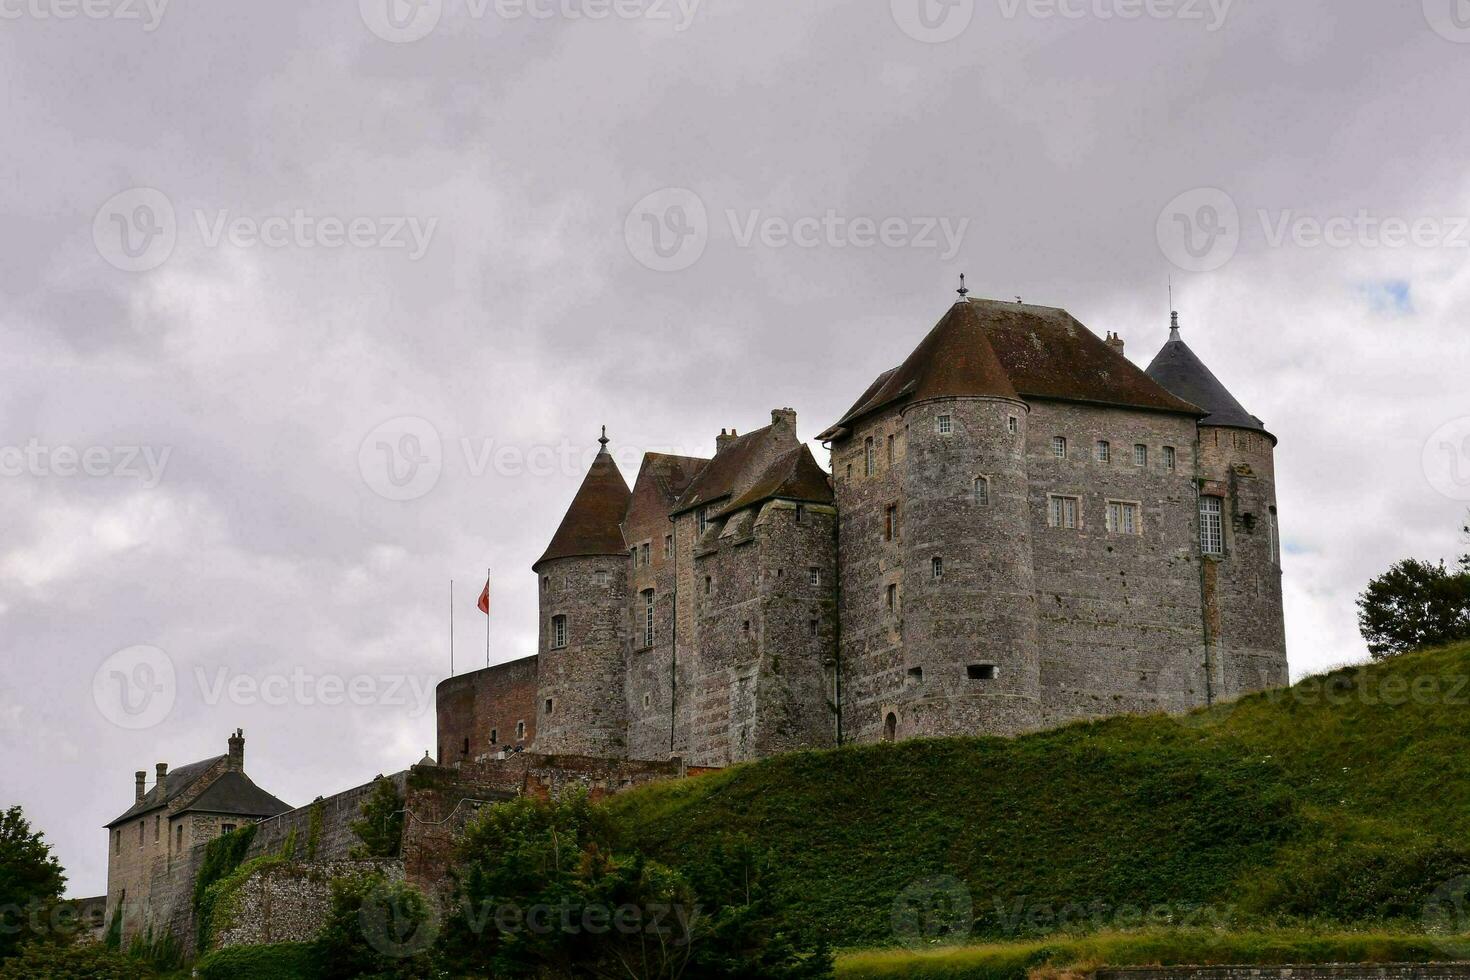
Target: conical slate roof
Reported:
[(1181, 371), (593, 524)]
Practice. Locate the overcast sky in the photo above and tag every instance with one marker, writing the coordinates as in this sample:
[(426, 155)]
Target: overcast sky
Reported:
[(260, 449)]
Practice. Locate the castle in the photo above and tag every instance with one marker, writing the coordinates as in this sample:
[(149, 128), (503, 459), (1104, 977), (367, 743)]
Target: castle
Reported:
[(1020, 529)]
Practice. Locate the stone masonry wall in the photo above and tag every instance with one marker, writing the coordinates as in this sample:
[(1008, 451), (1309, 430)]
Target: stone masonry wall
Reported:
[(290, 902), (1120, 614), (327, 836), (579, 706), (481, 713), (647, 677)]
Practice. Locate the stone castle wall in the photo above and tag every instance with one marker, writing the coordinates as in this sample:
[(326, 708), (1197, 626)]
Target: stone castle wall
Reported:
[(580, 708), (487, 711)]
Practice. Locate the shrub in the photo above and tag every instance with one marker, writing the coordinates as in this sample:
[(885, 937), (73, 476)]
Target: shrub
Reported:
[(279, 961), (82, 961)]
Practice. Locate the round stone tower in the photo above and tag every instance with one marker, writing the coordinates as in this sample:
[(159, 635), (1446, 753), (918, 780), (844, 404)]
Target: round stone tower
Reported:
[(1239, 529), (583, 579), (969, 621)]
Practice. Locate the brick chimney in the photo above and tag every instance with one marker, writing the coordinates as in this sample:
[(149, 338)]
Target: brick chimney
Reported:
[(160, 778), (237, 751), (724, 439), (140, 777), (1115, 342), (784, 416)]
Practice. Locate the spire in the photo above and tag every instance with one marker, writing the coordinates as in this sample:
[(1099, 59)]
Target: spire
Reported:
[(1181, 372), (593, 522)]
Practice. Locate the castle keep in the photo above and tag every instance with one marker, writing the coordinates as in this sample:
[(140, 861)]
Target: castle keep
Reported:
[(1020, 529)]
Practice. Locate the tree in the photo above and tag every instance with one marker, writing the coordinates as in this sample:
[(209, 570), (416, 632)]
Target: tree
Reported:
[(31, 882), (381, 826), (82, 961), (1415, 605)]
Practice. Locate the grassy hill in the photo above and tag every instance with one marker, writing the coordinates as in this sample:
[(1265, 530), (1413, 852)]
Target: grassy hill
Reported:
[(1344, 801)]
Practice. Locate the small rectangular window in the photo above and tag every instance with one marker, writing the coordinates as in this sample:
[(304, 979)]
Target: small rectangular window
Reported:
[(648, 618), (548, 706), (1275, 536), (520, 730), (1211, 525), (801, 513), (1013, 425), (745, 626), (811, 627), (1122, 517), (1140, 455), (981, 672), (937, 566), (891, 598), (946, 425), (1059, 447), (701, 519), (179, 838), (709, 584), (1104, 451), (890, 522), (916, 675), (643, 553), (814, 576), (869, 463), (890, 450), (226, 828), (157, 826), (494, 736), (558, 632), (1171, 459), (668, 546), (601, 578), (982, 491), (1063, 512)]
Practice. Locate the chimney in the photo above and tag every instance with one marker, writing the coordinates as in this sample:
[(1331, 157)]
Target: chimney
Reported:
[(237, 751), (161, 779), (1115, 342), (784, 416), (724, 439), (140, 776)]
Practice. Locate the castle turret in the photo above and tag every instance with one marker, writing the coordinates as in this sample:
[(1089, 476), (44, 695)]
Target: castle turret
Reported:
[(583, 585), (1239, 533), (967, 596)]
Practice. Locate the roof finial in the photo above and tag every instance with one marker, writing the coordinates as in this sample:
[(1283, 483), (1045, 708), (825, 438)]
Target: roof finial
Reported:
[(964, 290), (604, 441), (1174, 325)]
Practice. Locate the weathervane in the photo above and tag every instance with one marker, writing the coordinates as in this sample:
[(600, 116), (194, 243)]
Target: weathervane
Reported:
[(963, 290)]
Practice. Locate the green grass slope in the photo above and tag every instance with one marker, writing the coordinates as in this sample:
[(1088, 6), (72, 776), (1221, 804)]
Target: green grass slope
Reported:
[(1344, 800)]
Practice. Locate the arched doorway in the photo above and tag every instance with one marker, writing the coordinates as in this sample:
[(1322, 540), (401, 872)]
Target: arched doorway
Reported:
[(890, 727)]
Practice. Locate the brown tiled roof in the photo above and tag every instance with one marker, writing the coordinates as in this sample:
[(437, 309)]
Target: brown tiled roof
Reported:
[(987, 347), (793, 476), (592, 525), (671, 474), (719, 477)]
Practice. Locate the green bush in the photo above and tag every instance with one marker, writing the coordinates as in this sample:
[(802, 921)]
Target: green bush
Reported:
[(280, 961), (376, 928), (380, 828), (83, 961), (222, 856)]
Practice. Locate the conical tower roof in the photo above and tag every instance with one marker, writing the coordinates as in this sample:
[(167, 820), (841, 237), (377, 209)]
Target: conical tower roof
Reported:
[(1180, 370), (593, 523)]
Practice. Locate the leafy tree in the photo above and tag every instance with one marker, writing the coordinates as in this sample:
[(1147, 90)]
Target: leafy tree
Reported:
[(378, 929), (81, 961), (31, 881), (381, 827), (1415, 605)]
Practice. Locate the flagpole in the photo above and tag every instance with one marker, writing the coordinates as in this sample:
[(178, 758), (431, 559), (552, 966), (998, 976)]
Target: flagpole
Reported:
[(451, 627), (487, 617)]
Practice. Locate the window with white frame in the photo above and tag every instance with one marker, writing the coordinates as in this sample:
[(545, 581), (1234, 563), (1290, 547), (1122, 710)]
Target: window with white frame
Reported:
[(937, 567), (1059, 447), (890, 598), (982, 491), (600, 578), (814, 576), (558, 632), (1123, 517), (1104, 451), (643, 554), (648, 617), (1063, 511), (870, 464), (1140, 455), (946, 424), (1171, 459), (1212, 525), (701, 519)]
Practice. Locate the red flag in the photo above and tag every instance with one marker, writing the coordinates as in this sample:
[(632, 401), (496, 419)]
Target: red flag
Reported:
[(484, 602)]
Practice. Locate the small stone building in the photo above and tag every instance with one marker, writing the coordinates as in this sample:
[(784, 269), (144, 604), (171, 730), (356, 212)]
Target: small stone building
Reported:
[(185, 807), (1020, 528)]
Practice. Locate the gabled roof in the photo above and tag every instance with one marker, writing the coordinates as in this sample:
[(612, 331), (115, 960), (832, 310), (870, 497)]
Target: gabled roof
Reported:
[(722, 476), (670, 475), (233, 793), (793, 476), (592, 525), (986, 347), (1181, 371), (176, 782)]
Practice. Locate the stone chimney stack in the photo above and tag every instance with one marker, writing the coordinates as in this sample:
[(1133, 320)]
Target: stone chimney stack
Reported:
[(160, 778), (784, 416), (724, 439), (140, 776), (237, 751), (1115, 342)]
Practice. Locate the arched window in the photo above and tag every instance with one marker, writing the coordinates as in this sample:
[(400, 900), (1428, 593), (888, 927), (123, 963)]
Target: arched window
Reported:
[(890, 727), (982, 491)]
